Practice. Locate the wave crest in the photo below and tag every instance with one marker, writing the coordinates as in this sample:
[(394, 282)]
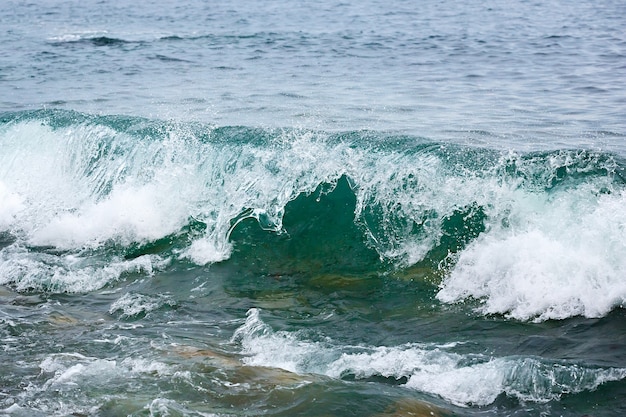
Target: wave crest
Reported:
[(501, 227)]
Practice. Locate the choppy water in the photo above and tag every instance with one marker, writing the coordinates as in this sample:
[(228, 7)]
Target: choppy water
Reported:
[(382, 208)]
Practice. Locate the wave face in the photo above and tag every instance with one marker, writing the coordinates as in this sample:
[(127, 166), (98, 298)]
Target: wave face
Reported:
[(87, 200)]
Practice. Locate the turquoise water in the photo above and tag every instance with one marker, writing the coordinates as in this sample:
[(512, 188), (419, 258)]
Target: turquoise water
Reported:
[(382, 208)]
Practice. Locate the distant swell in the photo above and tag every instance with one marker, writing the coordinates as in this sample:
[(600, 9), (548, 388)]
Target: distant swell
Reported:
[(533, 236), (97, 41), (105, 41)]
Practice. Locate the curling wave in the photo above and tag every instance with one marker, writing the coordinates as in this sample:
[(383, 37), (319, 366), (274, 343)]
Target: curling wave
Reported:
[(534, 236)]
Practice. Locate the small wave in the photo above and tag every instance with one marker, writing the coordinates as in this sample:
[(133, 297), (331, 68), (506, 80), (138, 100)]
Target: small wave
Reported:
[(166, 58), (88, 39), (28, 270), (462, 379), (105, 41), (76, 379), (137, 305)]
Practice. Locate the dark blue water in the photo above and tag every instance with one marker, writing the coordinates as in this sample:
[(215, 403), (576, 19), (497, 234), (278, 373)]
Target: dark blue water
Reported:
[(271, 208), (546, 74)]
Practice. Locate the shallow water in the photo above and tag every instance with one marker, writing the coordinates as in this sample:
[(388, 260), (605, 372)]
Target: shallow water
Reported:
[(254, 209)]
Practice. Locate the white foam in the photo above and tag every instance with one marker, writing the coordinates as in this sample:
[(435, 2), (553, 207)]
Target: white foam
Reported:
[(40, 168), (132, 194), (205, 251), (129, 214), (54, 195), (566, 261), (263, 347), (10, 205), (461, 379)]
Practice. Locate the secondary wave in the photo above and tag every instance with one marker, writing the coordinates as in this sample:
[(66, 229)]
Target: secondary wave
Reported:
[(462, 379)]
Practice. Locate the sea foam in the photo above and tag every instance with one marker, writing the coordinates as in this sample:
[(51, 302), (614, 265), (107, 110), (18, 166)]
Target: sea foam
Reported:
[(565, 260)]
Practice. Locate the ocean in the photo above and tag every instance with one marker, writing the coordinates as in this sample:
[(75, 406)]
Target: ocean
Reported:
[(289, 208)]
